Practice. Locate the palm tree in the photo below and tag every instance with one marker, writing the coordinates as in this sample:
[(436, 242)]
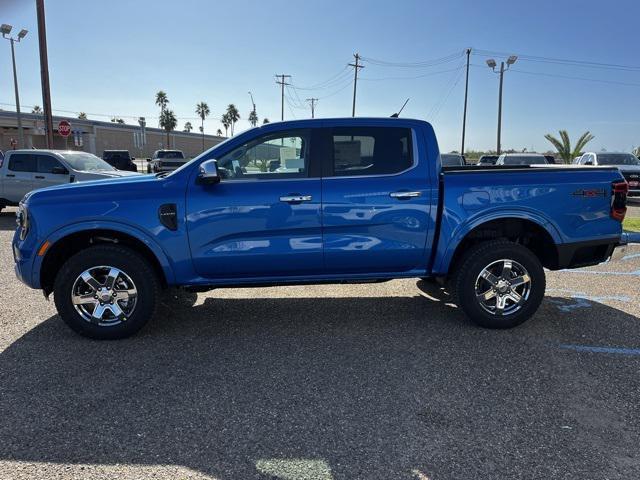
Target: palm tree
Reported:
[(253, 118), (226, 123), (82, 116), (188, 127), (162, 101), (169, 122), (219, 133), (563, 146), (265, 121), (37, 110), (233, 116), (202, 109)]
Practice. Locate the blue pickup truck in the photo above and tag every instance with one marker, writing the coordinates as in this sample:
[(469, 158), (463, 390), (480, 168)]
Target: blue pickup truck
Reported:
[(316, 201)]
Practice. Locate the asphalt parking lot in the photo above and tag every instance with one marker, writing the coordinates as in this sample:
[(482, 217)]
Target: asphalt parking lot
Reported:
[(377, 381)]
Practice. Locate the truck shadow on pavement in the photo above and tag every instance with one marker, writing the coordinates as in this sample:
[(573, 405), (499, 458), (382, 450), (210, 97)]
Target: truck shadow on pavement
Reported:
[(7, 220), (346, 387)]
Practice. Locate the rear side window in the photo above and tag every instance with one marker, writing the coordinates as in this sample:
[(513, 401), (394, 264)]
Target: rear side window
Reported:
[(46, 163), (22, 162), (371, 150)]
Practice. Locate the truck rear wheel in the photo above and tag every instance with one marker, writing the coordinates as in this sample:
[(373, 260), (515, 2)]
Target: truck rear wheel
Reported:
[(106, 292), (499, 284)]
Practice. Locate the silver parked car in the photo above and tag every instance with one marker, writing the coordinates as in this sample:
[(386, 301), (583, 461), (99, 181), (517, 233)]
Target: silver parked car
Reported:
[(24, 170), (627, 163), (521, 159), (166, 161)]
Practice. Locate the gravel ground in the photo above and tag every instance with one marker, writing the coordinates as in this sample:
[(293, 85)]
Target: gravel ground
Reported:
[(379, 381)]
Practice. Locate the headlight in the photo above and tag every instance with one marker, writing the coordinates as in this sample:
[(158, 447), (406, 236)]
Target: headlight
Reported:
[(22, 219)]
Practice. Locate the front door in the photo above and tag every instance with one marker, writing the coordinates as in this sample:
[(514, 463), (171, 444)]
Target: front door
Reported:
[(376, 202), (263, 218), (49, 171)]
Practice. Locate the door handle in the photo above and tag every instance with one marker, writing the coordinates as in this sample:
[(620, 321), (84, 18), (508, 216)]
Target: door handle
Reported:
[(10, 175), (295, 198), (40, 177), (404, 195)]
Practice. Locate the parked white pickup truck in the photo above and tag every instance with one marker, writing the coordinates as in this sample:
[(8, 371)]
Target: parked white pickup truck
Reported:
[(24, 170)]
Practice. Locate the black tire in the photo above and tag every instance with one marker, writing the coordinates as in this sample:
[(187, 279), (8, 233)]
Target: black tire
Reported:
[(475, 260), (134, 266)]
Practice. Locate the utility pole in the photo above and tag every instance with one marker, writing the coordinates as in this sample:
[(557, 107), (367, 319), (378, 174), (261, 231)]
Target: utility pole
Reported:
[(356, 66), (282, 82), (500, 106), (313, 105), (466, 91), (44, 74)]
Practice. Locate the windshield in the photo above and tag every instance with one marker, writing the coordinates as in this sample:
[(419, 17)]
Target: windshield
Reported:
[(170, 155), (523, 160), (85, 161), (617, 159), (449, 160)]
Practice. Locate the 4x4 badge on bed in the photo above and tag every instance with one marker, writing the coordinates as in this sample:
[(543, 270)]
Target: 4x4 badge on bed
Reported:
[(599, 192)]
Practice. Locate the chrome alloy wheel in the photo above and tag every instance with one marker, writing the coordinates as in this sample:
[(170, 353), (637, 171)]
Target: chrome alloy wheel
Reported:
[(503, 287), (104, 295)]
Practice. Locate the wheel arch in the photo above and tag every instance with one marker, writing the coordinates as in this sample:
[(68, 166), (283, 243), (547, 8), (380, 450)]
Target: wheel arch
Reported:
[(69, 241), (541, 238)]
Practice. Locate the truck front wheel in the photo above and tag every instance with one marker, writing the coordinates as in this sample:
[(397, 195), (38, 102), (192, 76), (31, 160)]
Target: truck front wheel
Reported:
[(106, 292), (499, 284)]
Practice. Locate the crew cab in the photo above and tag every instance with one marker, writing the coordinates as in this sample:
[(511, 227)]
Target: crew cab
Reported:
[(627, 163), (166, 161), (24, 170), (353, 200)]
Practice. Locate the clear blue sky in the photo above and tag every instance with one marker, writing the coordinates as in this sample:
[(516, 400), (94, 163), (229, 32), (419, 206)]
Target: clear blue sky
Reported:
[(110, 57)]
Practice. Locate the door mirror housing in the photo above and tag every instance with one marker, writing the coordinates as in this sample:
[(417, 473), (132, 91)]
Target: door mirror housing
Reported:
[(59, 171), (208, 172)]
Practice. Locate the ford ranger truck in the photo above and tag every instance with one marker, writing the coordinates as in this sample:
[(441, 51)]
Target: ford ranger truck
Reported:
[(310, 202)]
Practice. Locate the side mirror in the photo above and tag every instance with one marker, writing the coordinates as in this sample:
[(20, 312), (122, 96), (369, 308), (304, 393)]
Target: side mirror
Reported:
[(208, 172), (133, 158), (59, 171), (148, 159)]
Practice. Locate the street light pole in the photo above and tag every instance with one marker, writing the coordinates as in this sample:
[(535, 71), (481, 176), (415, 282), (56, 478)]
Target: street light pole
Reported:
[(6, 30), (492, 64), (500, 107), (466, 91)]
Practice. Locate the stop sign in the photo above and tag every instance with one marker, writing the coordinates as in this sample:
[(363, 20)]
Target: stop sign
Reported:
[(64, 128)]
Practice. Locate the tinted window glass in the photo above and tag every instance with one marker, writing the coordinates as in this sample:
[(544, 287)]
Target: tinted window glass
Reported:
[(45, 163), (617, 159), (170, 154), (22, 162), (371, 151), (451, 160), (524, 160), (280, 155)]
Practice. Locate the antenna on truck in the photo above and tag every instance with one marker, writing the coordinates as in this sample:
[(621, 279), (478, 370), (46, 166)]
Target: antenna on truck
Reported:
[(396, 115)]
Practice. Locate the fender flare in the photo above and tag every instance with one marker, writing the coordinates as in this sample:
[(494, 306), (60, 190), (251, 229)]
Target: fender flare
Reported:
[(462, 230), (144, 237)]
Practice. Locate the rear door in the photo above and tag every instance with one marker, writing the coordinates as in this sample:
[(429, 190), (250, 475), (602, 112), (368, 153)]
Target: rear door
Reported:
[(49, 171), (263, 218), (376, 201), (18, 177)]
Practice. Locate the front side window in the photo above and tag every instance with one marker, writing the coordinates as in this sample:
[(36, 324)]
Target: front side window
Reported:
[(22, 162), (46, 163), (279, 155), (371, 151)]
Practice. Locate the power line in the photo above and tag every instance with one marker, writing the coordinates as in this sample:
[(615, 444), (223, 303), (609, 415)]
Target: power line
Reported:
[(327, 83), (419, 64), (414, 76)]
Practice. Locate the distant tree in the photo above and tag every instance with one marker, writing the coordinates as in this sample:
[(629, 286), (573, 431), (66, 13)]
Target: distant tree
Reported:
[(117, 120), (636, 151), (233, 116), (188, 127), (162, 101), (82, 116), (253, 118), (265, 121), (219, 133), (563, 145), (37, 110), (168, 122), (226, 123), (202, 109)]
